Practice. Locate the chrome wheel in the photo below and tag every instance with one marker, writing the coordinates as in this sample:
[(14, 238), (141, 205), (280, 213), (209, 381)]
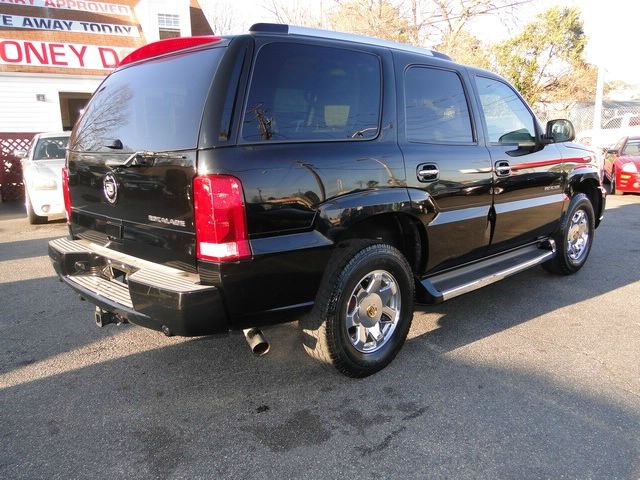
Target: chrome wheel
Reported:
[(578, 235), (373, 311)]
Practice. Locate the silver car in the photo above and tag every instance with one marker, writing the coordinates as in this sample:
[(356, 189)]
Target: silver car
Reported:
[(42, 173)]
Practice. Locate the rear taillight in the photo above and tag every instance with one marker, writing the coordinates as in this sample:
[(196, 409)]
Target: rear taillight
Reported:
[(167, 45), (221, 223), (65, 193)]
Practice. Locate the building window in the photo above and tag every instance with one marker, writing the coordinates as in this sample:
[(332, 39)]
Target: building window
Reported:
[(168, 25)]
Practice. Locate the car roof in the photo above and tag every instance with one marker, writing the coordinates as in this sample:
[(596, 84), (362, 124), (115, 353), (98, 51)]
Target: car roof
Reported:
[(53, 134), (297, 31)]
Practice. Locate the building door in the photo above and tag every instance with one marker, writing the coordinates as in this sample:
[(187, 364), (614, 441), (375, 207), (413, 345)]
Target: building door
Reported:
[(71, 106)]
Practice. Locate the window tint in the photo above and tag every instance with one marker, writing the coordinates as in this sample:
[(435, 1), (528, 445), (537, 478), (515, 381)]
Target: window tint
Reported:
[(305, 92), (436, 107), (507, 118), (156, 105)]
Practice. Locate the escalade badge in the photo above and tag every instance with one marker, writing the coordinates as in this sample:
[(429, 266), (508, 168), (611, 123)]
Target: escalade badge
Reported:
[(110, 188)]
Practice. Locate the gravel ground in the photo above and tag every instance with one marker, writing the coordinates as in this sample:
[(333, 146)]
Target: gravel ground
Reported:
[(534, 377)]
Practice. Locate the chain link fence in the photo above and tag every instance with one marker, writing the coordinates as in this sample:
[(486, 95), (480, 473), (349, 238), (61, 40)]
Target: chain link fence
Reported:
[(615, 115), (618, 119)]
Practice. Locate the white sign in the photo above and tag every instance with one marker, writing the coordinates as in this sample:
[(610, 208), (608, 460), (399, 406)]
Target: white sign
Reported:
[(84, 5), (65, 55), (38, 23)]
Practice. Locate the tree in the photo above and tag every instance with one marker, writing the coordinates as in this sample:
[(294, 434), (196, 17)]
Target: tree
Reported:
[(295, 13), (446, 22), (221, 17), (545, 62), (376, 18), (463, 47)]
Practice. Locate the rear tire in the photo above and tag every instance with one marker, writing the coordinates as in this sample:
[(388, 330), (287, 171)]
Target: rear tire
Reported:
[(574, 238), (34, 218), (363, 309)]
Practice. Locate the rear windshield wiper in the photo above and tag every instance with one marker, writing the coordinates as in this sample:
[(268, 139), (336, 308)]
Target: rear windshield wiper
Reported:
[(137, 159)]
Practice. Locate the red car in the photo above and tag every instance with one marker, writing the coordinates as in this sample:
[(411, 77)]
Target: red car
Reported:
[(622, 166)]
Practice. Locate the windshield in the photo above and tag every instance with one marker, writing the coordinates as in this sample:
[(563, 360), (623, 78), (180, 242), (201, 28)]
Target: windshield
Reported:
[(632, 148), (156, 105), (50, 148)]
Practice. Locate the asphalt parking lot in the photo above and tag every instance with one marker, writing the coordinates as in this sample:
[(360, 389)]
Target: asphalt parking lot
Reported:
[(534, 377)]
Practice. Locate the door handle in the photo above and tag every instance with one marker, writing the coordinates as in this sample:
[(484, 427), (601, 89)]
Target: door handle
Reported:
[(427, 172), (503, 169)]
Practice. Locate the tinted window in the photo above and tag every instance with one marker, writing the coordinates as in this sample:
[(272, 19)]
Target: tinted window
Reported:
[(632, 148), (52, 147), (508, 119), (305, 92), (156, 105), (436, 107)]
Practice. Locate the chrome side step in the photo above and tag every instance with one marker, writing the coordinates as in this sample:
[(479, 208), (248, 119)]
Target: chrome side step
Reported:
[(448, 285)]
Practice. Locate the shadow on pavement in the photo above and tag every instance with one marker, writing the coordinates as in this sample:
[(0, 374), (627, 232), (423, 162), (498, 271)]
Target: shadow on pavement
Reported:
[(207, 409), (614, 262), (36, 247)]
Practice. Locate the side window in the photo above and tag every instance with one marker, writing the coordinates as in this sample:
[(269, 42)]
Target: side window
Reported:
[(436, 107), (310, 93), (507, 118)]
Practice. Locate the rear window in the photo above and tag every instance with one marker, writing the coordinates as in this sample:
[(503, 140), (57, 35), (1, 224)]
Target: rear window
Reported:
[(310, 93), (436, 107), (156, 105), (50, 148)]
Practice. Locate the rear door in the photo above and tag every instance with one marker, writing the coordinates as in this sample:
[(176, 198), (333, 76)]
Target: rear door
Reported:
[(528, 178), (142, 205), (445, 158)]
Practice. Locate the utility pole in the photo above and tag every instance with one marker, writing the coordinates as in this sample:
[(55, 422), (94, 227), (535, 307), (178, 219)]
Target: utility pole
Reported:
[(597, 108)]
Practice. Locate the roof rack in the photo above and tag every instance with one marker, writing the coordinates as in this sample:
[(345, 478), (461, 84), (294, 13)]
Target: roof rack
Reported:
[(349, 37)]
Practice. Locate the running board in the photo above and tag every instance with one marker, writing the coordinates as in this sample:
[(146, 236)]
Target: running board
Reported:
[(448, 285)]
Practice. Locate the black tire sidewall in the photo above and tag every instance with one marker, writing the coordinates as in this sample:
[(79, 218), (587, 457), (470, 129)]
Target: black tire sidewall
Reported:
[(369, 261)]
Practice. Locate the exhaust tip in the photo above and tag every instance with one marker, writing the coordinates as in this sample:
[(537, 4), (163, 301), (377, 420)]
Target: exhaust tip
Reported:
[(257, 343)]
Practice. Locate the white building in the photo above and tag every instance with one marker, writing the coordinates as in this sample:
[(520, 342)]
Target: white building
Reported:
[(52, 58)]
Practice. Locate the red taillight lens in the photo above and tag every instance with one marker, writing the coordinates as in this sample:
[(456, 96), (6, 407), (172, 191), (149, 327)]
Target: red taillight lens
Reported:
[(166, 46), (221, 223), (65, 193)]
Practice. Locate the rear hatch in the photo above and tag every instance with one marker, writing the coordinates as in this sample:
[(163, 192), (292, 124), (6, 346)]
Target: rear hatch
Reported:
[(132, 158)]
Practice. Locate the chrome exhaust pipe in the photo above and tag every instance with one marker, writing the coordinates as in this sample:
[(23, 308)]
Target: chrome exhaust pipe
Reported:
[(257, 343)]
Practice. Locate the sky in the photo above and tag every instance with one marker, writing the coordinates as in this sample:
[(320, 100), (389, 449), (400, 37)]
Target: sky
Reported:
[(611, 26)]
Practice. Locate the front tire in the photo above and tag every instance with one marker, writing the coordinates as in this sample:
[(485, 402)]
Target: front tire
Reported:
[(612, 182), (363, 309), (574, 238)]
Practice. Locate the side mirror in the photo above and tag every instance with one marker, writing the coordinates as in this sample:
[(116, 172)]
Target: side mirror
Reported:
[(20, 153), (560, 130), (612, 151)]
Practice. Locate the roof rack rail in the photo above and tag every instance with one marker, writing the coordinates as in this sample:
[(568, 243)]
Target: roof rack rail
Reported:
[(281, 28)]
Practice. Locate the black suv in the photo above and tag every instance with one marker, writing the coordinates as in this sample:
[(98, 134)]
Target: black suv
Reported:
[(225, 183)]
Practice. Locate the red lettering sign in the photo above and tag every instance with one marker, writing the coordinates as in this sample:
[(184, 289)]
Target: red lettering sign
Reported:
[(10, 55), (56, 55), (109, 57)]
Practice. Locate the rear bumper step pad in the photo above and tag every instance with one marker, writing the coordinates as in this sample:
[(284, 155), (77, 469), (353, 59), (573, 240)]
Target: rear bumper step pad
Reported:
[(146, 293)]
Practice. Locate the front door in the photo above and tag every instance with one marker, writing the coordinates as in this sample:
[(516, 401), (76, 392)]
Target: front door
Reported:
[(528, 178)]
